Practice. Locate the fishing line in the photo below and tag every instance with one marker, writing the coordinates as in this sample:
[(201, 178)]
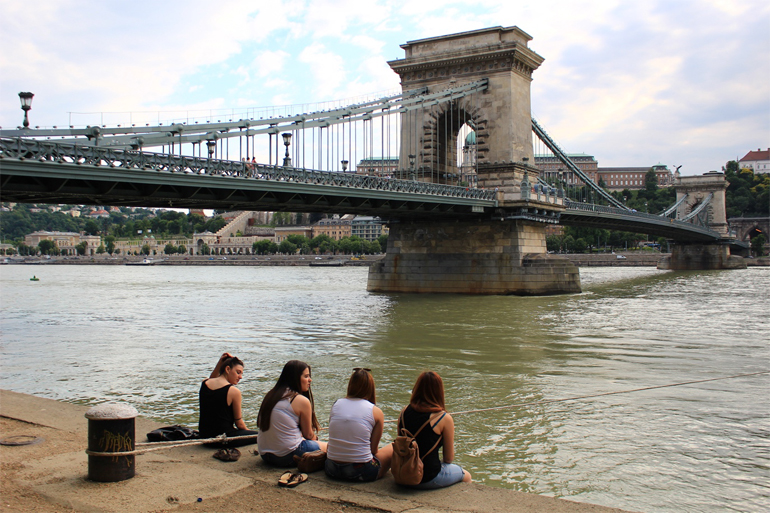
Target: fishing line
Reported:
[(576, 398)]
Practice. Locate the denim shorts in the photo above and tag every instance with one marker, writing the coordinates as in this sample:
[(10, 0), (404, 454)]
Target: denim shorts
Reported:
[(447, 476), (288, 460), (368, 471)]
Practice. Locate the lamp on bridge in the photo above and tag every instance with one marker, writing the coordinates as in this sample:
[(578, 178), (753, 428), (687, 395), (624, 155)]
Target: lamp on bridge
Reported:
[(411, 167), (344, 165), (286, 142), (211, 144), (137, 143), (26, 104)]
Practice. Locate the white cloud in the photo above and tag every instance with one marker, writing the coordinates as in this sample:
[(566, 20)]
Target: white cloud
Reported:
[(269, 62), (630, 82), (327, 68)]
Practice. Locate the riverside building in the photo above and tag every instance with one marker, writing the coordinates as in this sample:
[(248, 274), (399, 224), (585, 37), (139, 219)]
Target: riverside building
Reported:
[(615, 178)]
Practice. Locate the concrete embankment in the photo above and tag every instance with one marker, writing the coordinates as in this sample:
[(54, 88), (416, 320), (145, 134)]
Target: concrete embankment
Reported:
[(238, 260), (630, 259), (51, 476), (624, 259)]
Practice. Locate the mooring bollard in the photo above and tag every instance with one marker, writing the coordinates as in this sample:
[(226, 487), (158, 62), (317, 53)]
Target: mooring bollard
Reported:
[(111, 429)]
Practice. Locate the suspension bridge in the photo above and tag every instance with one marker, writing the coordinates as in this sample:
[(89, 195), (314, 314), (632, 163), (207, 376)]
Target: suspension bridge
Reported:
[(468, 220)]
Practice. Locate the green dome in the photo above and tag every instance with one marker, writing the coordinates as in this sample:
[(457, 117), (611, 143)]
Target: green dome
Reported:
[(470, 139)]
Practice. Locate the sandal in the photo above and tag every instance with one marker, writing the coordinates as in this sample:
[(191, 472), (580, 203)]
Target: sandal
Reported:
[(296, 479), (285, 478), (228, 454)]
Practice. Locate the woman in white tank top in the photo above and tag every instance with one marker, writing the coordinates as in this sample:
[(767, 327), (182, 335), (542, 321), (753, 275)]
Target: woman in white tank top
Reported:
[(287, 423), (355, 429)]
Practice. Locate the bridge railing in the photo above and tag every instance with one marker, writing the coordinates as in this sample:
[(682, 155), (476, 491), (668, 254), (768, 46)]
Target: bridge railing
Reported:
[(657, 219), (57, 153)]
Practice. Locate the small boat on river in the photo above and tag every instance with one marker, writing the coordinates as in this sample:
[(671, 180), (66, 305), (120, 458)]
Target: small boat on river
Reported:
[(34, 278), (146, 261), (334, 263)]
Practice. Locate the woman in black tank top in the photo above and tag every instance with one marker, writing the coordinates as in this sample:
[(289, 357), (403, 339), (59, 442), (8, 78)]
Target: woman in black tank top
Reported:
[(427, 403), (220, 403)]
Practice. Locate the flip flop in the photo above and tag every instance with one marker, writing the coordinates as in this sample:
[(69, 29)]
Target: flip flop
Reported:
[(296, 479), (285, 478)]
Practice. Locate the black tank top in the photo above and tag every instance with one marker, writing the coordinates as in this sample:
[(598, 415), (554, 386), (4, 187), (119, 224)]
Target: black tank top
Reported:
[(431, 464), (216, 417)]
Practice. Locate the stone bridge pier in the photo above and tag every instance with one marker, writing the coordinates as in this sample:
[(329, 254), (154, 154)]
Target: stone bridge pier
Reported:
[(703, 256), (504, 253)]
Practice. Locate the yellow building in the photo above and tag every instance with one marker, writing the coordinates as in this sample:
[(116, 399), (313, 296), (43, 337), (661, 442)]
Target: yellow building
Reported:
[(65, 241), (335, 228), (282, 232)]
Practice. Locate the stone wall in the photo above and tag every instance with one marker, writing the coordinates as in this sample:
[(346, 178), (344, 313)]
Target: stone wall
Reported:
[(701, 256), (468, 257)]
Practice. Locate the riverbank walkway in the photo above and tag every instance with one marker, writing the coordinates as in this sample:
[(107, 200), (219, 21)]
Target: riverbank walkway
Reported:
[(51, 476)]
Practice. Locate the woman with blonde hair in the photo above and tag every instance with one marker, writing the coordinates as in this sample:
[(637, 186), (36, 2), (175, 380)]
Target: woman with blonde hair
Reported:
[(426, 407), (355, 429)]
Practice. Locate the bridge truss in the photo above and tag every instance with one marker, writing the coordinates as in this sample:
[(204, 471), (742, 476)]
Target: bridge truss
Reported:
[(44, 172)]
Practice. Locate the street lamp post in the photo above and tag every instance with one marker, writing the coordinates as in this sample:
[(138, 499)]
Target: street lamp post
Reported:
[(26, 104), (411, 167), (286, 142), (344, 165)]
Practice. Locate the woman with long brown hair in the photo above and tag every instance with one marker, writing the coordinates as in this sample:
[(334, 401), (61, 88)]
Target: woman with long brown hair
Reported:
[(427, 405), (287, 422), (355, 429), (221, 403)]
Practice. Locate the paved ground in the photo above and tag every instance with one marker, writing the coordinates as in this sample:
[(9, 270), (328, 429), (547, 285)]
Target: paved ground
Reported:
[(51, 476)]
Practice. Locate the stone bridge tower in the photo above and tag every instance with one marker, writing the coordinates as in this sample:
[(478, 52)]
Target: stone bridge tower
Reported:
[(695, 190), (500, 117), (505, 252)]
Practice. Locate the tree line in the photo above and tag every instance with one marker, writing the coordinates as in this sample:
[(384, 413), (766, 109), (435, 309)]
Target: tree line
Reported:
[(21, 221), (321, 244)]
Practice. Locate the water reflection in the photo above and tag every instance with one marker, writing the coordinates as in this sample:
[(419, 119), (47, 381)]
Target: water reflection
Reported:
[(149, 336)]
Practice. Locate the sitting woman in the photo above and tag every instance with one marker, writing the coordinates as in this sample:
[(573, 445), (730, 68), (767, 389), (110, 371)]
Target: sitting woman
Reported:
[(427, 405), (355, 429), (287, 423), (220, 403)]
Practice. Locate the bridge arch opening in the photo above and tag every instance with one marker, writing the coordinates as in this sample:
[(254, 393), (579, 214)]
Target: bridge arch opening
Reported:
[(466, 162), (445, 140), (753, 233)]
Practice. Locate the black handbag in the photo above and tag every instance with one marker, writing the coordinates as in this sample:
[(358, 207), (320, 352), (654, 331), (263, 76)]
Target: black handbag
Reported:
[(172, 434)]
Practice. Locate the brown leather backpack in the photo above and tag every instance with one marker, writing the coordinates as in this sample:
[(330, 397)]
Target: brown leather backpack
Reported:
[(407, 468)]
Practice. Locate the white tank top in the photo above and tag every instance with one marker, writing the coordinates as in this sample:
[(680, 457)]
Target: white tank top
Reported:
[(351, 423), (284, 434)]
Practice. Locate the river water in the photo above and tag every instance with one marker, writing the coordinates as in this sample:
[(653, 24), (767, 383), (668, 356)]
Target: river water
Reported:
[(147, 336)]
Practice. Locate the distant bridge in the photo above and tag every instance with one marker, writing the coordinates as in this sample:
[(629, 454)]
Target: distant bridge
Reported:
[(34, 171)]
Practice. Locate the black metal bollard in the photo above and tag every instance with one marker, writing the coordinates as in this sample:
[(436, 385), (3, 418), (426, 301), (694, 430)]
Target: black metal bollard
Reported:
[(111, 429)]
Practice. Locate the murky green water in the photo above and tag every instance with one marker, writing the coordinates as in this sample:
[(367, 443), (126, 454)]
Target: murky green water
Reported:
[(148, 336)]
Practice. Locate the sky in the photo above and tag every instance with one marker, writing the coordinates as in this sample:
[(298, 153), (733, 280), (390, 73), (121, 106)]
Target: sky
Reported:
[(632, 82)]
